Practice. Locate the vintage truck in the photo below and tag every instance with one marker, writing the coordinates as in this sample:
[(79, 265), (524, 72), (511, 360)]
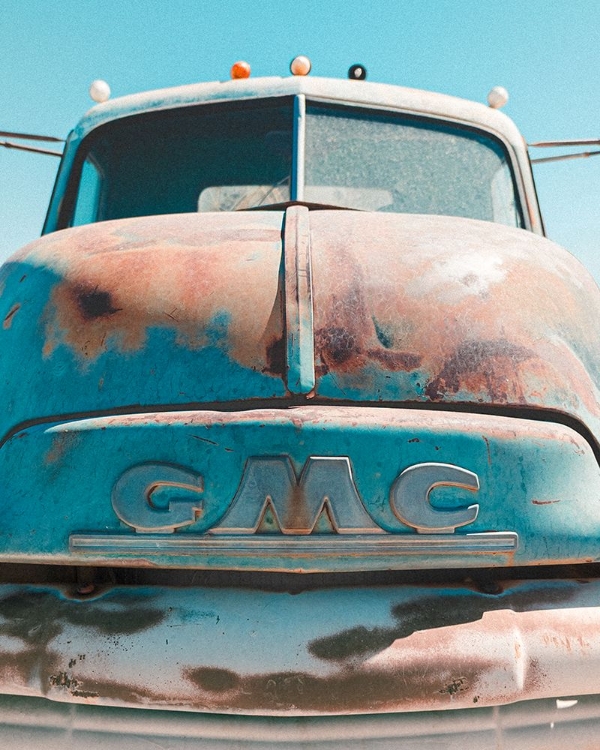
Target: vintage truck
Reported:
[(300, 433)]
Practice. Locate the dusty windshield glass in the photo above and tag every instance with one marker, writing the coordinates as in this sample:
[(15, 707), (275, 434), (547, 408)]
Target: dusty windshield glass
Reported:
[(380, 162), (217, 158), (236, 156)]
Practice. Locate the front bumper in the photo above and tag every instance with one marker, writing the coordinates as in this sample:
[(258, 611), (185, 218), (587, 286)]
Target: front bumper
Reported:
[(344, 650)]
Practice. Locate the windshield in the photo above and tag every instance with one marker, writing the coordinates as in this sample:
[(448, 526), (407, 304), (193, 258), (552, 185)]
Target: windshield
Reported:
[(186, 159), (406, 165), (228, 157)]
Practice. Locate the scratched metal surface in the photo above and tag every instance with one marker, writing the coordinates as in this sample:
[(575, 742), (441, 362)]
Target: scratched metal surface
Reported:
[(441, 310), (229, 312), (164, 310), (373, 650), (537, 480), (177, 310)]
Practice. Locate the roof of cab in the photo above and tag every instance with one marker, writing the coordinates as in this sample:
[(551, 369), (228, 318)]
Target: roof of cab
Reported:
[(361, 93)]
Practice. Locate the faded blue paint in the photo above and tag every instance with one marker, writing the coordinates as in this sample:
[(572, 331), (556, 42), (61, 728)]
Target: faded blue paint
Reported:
[(197, 312), (66, 363), (164, 371), (539, 481)]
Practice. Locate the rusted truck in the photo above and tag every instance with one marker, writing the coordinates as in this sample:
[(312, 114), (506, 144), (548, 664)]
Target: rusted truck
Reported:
[(300, 433)]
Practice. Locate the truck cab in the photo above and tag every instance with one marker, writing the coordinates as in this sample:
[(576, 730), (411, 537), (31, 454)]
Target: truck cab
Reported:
[(300, 438)]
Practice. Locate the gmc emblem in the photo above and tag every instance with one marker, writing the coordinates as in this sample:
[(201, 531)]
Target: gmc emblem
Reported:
[(325, 485)]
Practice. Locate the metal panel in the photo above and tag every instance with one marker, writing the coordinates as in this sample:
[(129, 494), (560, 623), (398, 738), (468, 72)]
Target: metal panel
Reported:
[(298, 301), (155, 310), (327, 651), (445, 310), (180, 310), (304, 489)]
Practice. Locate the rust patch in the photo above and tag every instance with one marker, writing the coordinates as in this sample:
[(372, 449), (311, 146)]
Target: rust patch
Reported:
[(94, 303), (339, 349), (489, 366), (347, 691), (89, 688), (407, 676), (297, 511), (487, 447), (36, 618), (276, 358), (62, 442), (352, 336), (458, 685), (39, 616), (336, 345), (273, 339), (412, 676), (428, 613), (215, 680), (359, 641), (67, 681), (10, 315), (22, 667), (212, 285), (395, 360), (482, 314)]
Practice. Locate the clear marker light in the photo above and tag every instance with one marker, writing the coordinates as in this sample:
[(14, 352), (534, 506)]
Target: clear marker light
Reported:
[(240, 69), (100, 91), (300, 66), (497, 97), (357, 72)]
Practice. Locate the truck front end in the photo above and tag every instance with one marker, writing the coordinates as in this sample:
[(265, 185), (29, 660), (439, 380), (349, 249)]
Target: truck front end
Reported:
[(300, 439)]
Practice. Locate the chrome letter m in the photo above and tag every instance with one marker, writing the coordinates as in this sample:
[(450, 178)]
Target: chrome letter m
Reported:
[(325, 483)]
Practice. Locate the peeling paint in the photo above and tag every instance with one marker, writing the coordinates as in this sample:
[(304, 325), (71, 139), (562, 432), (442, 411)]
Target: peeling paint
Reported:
[(370, 650)]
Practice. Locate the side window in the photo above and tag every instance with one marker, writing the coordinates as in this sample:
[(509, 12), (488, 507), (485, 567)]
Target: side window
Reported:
[(88, 196)]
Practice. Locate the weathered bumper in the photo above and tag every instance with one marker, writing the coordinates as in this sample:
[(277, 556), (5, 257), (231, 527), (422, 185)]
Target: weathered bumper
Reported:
[(338, 650)]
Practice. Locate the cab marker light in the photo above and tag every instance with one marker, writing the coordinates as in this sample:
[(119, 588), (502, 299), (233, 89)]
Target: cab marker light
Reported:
[(99, 91), (300, 66), (240, 69), (357, 73), (497, 97)]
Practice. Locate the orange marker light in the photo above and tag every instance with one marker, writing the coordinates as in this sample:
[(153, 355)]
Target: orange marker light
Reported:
[(240, 69), (300, 66)]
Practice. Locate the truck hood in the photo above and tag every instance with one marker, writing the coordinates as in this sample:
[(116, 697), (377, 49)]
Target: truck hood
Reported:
[(173, 312)]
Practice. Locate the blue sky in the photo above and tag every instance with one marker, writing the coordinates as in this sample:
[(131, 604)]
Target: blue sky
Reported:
[(545, 53)]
